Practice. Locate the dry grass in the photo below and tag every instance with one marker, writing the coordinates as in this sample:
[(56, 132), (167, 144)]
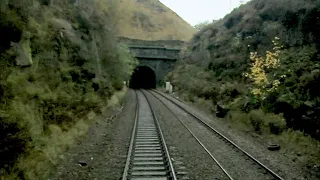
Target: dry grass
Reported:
[(117, 98), (304, 148), (298, 143), (151, 20)]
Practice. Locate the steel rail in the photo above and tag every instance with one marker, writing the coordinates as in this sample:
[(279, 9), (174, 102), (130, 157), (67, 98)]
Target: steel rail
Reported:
[(221, 135), (173, 174), (148, 156), (197, 139), (126, 169)]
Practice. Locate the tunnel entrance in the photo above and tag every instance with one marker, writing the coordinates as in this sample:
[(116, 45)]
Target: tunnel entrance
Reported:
[(143, 77)]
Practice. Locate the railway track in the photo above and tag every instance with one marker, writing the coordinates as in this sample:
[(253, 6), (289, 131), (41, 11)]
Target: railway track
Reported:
[(238, 159), (148, 156)]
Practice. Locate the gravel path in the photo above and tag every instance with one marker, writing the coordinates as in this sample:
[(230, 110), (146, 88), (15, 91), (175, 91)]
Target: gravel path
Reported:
[(189, 159), (104, 150), (281, 162), (234, 161)]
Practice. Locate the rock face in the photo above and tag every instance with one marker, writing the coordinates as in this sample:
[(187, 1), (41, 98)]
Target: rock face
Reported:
[(23, 50)]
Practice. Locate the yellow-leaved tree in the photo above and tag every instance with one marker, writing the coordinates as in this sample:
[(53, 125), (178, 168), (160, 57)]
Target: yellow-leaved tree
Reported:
[(264, 82)]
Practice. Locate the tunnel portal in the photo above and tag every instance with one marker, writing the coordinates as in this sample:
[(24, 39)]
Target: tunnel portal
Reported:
[(143, 77)]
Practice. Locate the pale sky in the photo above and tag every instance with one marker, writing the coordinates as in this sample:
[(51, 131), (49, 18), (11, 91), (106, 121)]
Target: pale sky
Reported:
[(196, 11)]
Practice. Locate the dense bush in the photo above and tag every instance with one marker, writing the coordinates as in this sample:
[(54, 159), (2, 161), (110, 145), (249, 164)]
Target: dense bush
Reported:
[(60, 63), (259, 121), (221, 51)]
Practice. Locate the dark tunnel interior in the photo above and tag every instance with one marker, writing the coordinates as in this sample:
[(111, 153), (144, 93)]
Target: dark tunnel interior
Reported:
[(143, 77)]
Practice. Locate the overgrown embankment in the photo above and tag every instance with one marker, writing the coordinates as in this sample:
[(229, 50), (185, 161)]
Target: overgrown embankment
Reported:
[(60, 64), (225, 67)]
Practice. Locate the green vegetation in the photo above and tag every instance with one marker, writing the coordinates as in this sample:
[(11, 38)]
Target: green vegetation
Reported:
[(201, 25), (224, 65), (60, 66)]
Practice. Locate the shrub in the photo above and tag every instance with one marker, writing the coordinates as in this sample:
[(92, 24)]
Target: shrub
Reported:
[(267, 122), (276, 123), (257, 119), (77, 66), (243, 103), (201, 25), (281, 80), (233, 20), (240, 117)]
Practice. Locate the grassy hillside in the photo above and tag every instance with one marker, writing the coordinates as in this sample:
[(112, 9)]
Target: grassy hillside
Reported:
[(60, 64), (260, 62), (150, 20)]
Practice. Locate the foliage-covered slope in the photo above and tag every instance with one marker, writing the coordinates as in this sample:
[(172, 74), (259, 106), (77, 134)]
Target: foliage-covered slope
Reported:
[(60, 63), (233, 67), (150, 20), (214, 62)]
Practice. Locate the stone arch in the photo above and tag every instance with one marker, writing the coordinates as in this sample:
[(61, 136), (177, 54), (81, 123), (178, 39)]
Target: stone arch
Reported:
[(143, 62)]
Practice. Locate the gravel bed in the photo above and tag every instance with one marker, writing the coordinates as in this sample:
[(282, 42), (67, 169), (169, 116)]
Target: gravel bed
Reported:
[(189, 159), (102, 155), (281, 162), (234, 161)]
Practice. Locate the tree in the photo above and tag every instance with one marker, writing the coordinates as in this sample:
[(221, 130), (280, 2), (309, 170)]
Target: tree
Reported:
[(201, 25), (264, 82)]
